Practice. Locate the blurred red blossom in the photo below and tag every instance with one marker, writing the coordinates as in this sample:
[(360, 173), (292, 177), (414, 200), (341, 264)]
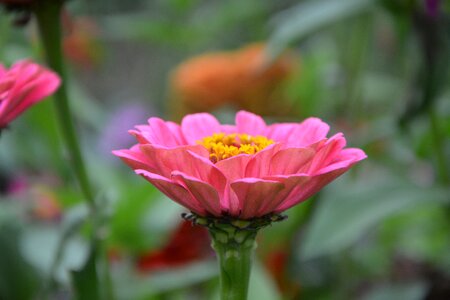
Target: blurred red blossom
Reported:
[(277, 262), (187, 244)]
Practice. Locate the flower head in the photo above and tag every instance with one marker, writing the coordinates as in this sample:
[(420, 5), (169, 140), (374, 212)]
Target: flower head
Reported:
[(24, 84), (243, 171)]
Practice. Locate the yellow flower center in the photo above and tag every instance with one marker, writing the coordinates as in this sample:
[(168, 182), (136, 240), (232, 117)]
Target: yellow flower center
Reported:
[(222, 146)]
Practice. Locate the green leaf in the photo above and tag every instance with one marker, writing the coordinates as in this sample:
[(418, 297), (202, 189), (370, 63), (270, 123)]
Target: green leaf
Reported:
[(85, 281), (349, 209), (18, 280), (307, 17)]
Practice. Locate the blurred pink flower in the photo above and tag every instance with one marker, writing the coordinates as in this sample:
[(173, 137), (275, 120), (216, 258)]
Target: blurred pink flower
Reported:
[(24, 84), (243, 171)]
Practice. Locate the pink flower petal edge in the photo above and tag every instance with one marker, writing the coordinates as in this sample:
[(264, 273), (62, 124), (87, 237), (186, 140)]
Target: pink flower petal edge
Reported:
[(23, 85), (300, 162)]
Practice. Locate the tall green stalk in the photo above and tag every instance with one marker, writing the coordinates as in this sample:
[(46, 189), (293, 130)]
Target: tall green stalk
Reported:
[(48, 14), (439, 147), (48, 18)]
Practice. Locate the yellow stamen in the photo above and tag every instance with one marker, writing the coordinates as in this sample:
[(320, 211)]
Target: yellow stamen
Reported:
[(222, 146)]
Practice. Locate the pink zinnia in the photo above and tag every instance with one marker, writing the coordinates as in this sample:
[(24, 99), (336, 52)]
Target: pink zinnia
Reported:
[(243, 171), (24, 84)]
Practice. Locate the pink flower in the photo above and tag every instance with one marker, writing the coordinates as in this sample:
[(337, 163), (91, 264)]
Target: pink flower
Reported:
[(24, 84), (244, 171)]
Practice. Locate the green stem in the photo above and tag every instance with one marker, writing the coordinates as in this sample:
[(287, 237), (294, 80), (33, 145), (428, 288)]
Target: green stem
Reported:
[(234, 248), (439, 147), (48, 14), (48, 18)]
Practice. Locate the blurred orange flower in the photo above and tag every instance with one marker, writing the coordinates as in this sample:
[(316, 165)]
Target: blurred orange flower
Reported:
[(42, 202), (238, 78), (79, 43), (45, 205)]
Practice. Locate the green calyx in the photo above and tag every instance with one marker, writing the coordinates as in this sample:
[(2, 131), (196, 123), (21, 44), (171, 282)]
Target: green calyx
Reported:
[(223, 222)]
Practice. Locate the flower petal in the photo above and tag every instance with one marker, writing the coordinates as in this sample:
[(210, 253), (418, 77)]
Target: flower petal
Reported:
[(327, 153), (166, 160), (159, 132), (292, 185), (259, 164), (249, 123), (308, 188), (203, 192), (346, 159), (309, 132), (254, 193), (234, 167), (135, 159), (291, 161), (197, 126), (22, 86), (174, 191)]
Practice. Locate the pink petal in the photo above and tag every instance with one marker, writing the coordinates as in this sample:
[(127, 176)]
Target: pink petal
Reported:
[(22, 86), (310, 131), (203, 192), (234, 167), (166, 160), (291, 161), (135, 159), (197, 126), (254, 193), (249, 123), (181, 159), (259, 164), (345, 159), (303, 191), (174, 191), (292, 185), (159, 132), (328, 153), (226, 128)]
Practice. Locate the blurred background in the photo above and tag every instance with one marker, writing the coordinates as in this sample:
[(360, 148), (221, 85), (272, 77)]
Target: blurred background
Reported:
[(376, 70)]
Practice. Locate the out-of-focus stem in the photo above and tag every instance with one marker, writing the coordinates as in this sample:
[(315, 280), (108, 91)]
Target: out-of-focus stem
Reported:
[(48, 18), (48, 14), (439, 147)]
